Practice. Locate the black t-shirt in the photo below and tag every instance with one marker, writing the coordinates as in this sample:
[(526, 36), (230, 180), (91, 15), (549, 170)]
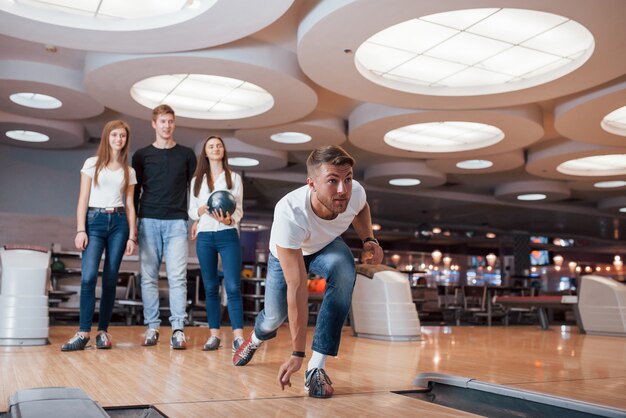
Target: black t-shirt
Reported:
[(163, 177)]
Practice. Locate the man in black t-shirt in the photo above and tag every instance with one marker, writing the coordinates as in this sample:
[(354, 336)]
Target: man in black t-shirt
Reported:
[(164, 170)]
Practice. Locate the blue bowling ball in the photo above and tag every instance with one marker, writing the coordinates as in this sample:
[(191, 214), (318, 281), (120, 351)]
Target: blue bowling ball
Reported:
[(222, 199)]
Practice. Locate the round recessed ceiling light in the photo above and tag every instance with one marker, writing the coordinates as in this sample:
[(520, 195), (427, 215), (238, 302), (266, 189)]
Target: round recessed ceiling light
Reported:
[(291, 138), (490, 235), (474, 52), (27, 136), (615, 122), (243, 162), (474, 164), (531, 196), (609, 184), (444, 136), (598, 165), (404, 182), (623, 210), (36, 100), (200, 96), (111, 15)]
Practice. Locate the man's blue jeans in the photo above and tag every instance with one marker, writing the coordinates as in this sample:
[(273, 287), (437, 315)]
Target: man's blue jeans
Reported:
[(108, 233), (335, 262), (163, 239), (226, 243)]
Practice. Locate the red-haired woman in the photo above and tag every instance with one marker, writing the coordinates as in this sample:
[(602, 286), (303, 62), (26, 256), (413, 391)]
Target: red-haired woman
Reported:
[(105, 222)]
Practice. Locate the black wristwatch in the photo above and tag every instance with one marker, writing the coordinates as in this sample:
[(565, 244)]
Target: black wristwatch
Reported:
[(370, 239)]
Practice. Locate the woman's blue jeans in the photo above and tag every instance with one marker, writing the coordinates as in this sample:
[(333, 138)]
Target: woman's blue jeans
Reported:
[(108, 233), (335, 262), (226, 244)]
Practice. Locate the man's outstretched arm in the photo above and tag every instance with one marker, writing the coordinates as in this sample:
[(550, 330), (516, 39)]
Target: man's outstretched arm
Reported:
[(292, 264)]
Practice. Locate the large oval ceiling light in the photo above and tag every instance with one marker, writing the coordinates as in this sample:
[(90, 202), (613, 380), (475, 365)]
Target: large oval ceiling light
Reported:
[(474, 52), (444, 136), (243, 162), (291, 138), (474, 164), (200, 96), (615, 122), (598, 165), (27, 136), (108, 14), (36, 100)]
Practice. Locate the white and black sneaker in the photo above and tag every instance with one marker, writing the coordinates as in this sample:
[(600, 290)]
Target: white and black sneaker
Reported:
[(213, 343), (151, 337), (318, 384), (237, 343), (178, 341)]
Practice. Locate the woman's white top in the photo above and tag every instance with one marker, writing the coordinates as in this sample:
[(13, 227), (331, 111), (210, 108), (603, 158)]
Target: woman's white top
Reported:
[(108, 192), (207, 223)]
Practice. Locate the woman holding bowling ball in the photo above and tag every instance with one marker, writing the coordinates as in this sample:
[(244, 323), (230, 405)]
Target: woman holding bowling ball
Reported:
[(217, 234), (105, 222)]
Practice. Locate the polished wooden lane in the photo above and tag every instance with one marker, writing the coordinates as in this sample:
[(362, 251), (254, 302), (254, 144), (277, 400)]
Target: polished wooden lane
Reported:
[(193, 383)]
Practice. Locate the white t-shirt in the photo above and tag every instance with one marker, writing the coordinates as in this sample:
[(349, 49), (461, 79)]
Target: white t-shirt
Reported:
[(297, 226), (207, 223), (108, 193)]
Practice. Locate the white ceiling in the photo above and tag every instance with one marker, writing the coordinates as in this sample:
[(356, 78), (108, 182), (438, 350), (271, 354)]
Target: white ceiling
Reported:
[(301, 52)]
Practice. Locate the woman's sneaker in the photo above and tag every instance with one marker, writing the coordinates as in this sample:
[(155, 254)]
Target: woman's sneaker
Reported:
[(237, 343), (77, 342), (103, 340), (318, 384), (213, 343)]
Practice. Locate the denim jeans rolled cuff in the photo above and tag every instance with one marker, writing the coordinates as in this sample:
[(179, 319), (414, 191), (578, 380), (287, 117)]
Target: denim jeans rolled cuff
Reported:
[(163, 240), (107, 233), (226, 243), (335, 262)]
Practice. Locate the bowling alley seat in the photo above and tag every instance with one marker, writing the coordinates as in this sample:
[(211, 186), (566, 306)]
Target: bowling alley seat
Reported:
[(382, 305), (24, 282), (602, 306)]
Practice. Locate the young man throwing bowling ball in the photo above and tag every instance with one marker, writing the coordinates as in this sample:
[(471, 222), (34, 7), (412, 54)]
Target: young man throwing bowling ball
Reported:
[(305, 237)]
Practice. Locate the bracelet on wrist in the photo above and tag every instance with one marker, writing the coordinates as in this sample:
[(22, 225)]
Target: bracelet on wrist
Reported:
[(370, 239), (133, 240), (82, 230), (300, 354)]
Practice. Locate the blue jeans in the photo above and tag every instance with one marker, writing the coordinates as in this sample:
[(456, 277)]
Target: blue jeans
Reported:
[(158, 239), (108, 233), (226, 244), (335, 262)]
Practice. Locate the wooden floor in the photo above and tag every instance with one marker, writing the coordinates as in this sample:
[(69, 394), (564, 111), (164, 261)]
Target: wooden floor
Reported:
[(193, 383)]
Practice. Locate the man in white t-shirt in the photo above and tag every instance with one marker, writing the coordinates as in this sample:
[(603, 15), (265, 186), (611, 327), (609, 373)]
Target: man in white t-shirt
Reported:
[(305, 237)]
